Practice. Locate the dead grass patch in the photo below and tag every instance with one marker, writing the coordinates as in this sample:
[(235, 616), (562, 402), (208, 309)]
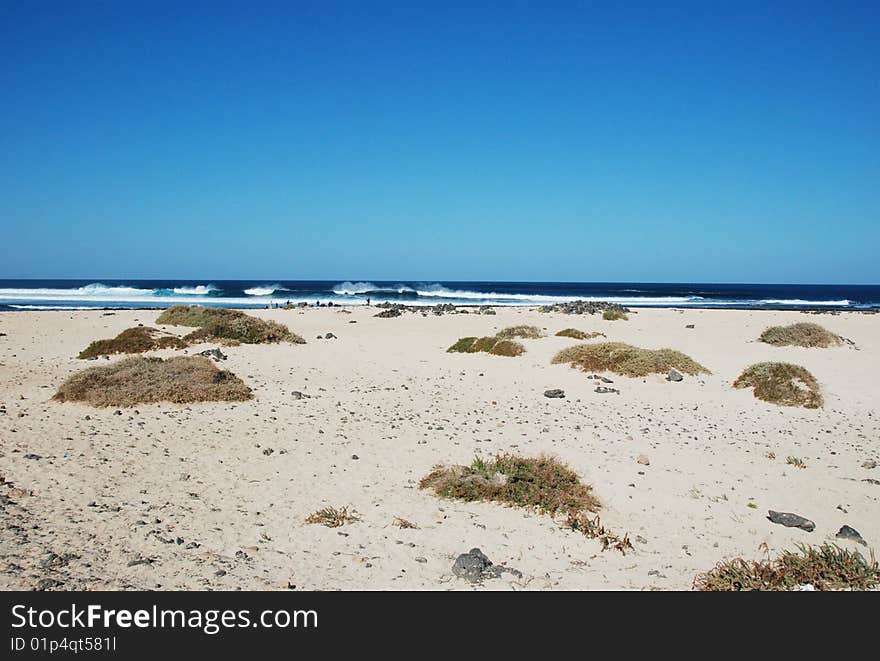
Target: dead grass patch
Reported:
[(524, 332), (827, 567), (142, 380), (543, 484), (592, 528), (220, 324), (578, 334), (627, 360), (494, 345), (614, 314), (133, 340), (782, 383), (402, 523), (333, 517), (804, 334)]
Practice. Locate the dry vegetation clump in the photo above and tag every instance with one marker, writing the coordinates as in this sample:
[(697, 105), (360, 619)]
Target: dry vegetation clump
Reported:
[(507, 348), (827, 567), (525, 332), (332, 517), (627, 360), (782, 383), (494, 345), (578, 334), (804, 334), (143, 380), (230, 326), (613, 314), (405, 524), (592, 528), (133, 340), (543, 484)]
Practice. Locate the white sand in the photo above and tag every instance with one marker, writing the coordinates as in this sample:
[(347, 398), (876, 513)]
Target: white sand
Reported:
[(388, 392)]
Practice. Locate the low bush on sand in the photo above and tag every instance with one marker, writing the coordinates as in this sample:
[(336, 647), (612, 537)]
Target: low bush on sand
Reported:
[(627, 360), (332, 517), (525, 332), (578, 334), (827, 567), (229, 326), (544, 484), (494, 345), (141, 379), (133, 340), (782, 383), (591, 527), (803, 334), (613, 314)]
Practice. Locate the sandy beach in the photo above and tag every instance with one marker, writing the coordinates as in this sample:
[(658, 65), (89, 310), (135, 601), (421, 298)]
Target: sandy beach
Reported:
[(215, 495)]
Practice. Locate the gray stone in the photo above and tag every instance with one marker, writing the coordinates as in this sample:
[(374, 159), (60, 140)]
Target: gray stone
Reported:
[(474, 566), (847, 532), (674, 375), (791, 520), (555, 393)]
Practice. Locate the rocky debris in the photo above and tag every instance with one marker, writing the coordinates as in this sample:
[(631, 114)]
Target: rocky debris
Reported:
[(791, 520), (869, 464), (871, 480), (474, 566), (674, 375), (583, 307), (600, 378), (602, 390), (330, 336), (296, 394), (554, 393), (387, 314), (487, 310), (643, 460), (689, 326), (847, 532), (215, 354)]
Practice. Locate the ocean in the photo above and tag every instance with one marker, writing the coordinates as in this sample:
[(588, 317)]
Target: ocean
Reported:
[(87, 294)]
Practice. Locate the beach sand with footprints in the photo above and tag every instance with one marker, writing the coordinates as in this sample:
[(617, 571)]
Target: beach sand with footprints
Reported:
[(216, 495)]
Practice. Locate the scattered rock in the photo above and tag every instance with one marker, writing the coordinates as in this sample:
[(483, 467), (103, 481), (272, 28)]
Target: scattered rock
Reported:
[(791, 520), (689, 326), (215, 354), (296, 394), (869, 464), (582, 307), (603, 390), (386, 314), (674, 375), (474, 566), (555, 393), (643, 460), (330, 336), (846, 532)]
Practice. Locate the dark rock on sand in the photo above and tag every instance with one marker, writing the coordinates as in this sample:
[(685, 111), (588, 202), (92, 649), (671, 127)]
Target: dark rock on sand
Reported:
[(474, 566), (330, 336), (386, 314), (602, 390), (847, 532), (296, 394), (214, 354), (555, 393), (791, 520), (674, 375), (689, 326), (869, 464)]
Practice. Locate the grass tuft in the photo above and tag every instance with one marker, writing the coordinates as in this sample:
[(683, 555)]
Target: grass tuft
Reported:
[(578, 334), (220, 324), (802, 334), (613, 314), (133, 340), (544, 484), (525, 332), (782, 383), (627, 360), (140, 379), (332, 517), (592, 528), (494, 345), (827, 567), (405, 524), (797, 462)]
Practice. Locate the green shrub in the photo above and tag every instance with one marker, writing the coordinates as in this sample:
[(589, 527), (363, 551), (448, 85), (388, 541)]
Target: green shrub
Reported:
[(133, 340), (627, 360), (782, 383)]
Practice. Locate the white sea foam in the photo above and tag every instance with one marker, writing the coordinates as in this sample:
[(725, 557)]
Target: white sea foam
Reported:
[(264, 290), (198, 290), (798, 301)]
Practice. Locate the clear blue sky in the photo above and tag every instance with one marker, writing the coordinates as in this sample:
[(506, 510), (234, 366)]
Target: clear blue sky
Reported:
[(437, 141)]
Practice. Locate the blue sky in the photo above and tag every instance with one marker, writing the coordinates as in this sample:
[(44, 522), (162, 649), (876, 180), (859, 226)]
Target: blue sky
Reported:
[(441, 141)]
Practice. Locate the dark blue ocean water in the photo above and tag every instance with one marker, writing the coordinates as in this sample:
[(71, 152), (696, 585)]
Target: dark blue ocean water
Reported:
[(67, 294)]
